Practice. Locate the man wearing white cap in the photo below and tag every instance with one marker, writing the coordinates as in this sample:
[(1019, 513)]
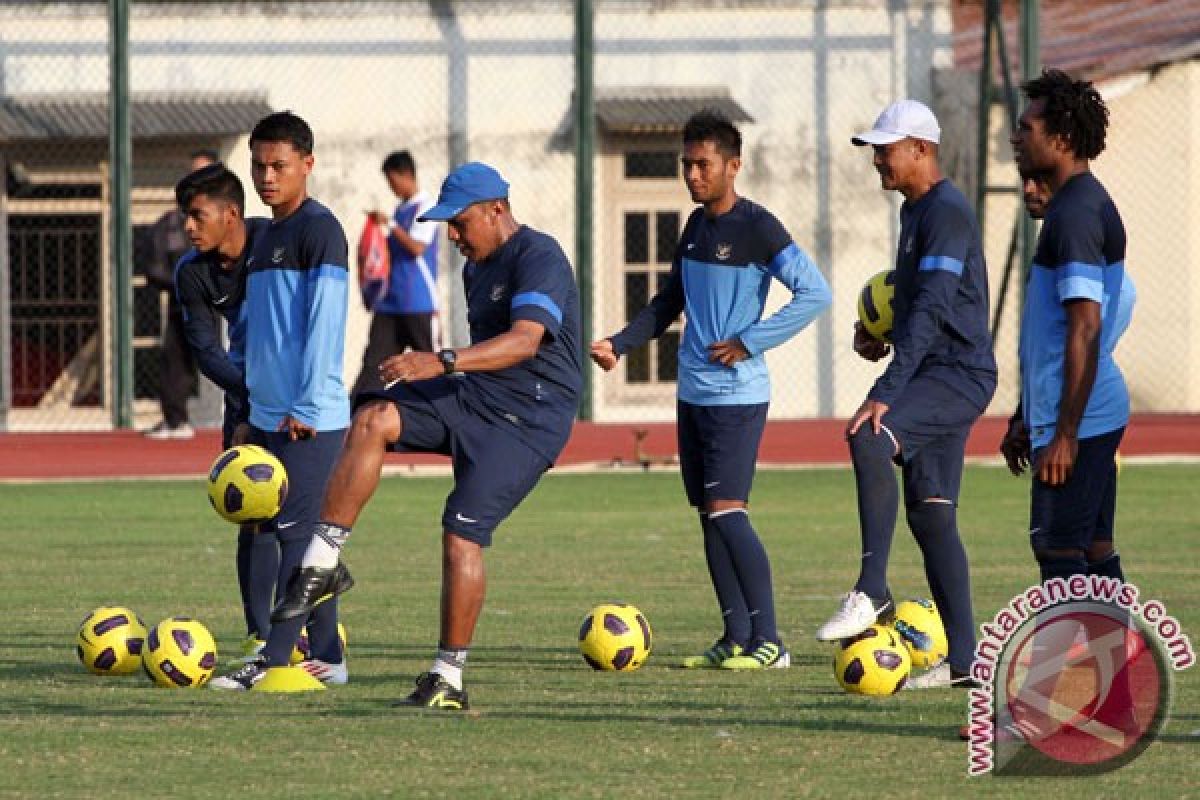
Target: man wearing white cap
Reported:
[(941, 377)]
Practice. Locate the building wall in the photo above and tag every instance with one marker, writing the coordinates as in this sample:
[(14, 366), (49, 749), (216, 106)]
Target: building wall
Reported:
[(493, 82)]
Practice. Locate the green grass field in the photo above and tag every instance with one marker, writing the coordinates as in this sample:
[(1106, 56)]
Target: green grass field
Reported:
[(544, 725)]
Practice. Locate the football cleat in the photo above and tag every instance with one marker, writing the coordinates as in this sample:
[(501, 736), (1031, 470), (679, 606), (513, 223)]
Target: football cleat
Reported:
[(942, 677), (309, 587), (857, 614), (760, 655), (434, 691), (713, 657), (326, 673), (243, 678), (250, 647)]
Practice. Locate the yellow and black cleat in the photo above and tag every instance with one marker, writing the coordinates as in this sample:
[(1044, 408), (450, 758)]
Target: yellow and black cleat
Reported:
[(434, 691)]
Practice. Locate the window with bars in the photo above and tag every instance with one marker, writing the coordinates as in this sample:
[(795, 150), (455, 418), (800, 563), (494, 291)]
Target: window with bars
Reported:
[(649, 245)]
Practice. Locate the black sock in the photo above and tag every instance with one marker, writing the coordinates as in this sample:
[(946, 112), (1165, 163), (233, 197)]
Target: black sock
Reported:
[(725, 584), (753, 570), (257, 566), (878, 498), (1109, 567), (935, 527), (1062, 567)]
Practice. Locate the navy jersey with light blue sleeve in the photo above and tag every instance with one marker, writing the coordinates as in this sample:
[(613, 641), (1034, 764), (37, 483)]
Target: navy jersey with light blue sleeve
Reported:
[(207, 292), (1080, 256), (720, 277), (528, 278), (940, 322), (296, 290)]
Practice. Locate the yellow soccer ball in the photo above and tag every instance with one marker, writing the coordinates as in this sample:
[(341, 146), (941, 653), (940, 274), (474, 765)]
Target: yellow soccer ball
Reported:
[(919, 624), (615, 637), (875, 304), (247, 484), (303, 649), (180, 654), (875, 662), (110, 641)]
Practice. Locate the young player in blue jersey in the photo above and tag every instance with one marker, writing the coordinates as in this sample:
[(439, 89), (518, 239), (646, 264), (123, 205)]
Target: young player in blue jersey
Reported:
[(1074, 402), (501, 408), (296, 284), (728, 254), (405, 316), (210, 283), (941, 378)]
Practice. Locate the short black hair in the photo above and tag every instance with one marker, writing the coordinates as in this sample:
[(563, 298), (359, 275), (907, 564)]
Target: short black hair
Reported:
[(710, 125), (1074, 110), (216, 181), (284, 126), (400, 161), (207, 153)]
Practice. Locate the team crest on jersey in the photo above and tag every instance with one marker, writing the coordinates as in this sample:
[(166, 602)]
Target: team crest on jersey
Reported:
[(277, 255), (908, 246), (724, 251), (497, 292)]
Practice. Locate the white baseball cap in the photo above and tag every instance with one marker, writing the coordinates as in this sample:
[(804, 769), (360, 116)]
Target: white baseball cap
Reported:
[(901, 120)]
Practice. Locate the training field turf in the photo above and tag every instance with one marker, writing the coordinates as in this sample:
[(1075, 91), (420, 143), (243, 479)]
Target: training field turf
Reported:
[(543, 724)]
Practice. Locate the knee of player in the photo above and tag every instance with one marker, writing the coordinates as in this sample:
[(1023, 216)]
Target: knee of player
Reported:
[(866, 443), (1099, 551), (376, 421), (1048, 554)]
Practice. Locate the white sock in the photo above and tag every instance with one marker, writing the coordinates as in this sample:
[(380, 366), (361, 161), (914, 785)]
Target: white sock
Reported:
[(450, 664), (326, 546)]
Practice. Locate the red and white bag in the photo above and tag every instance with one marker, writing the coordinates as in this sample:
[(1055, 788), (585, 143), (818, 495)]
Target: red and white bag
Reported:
[(374, 263)]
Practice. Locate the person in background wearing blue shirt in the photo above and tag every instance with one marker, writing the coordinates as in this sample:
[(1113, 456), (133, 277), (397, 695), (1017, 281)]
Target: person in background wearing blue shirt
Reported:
[(296, 283), (405, 317), (941, 378), (210, 281), (501, 408), (1074, 403), (730, 250)]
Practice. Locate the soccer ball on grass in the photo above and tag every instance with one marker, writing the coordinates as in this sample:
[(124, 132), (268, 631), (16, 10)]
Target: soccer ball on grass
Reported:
[(180, 653), (919, 624), (875, 662), (110, 641), (615, 637)]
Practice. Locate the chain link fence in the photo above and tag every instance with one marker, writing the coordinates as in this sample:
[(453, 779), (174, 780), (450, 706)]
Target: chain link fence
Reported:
[(495, 81)]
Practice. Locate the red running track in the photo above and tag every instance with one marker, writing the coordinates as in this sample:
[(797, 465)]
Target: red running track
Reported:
[(125, 454)]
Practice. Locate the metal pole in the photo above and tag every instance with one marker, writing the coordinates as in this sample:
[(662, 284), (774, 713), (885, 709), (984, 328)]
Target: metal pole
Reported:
[(984, 115), (121, 158), (1031, 66), (584, 179)]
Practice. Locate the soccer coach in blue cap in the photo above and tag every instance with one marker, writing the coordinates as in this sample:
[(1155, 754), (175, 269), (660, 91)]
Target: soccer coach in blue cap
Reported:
[(502, 409)]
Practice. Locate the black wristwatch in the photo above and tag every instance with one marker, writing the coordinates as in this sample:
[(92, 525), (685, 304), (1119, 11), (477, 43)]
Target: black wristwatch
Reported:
[(447, 357)]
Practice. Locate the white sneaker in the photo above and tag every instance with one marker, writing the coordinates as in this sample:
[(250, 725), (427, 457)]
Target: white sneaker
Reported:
[(940, 676), (331, 674), (856, 615), (162, 431)]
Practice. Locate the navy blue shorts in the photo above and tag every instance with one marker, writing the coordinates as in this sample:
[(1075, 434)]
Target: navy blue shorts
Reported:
[(930, 422), (309, 463), (718, 450), (493, 470), (1072, 516)]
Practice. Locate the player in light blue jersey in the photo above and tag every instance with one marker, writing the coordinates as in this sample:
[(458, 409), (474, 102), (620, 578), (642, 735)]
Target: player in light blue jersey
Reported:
[(1074, 403), (296, 284), (730, 251)]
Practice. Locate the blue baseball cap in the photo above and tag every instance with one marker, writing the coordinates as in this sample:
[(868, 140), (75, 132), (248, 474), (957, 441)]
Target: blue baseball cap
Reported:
[(473, 182)]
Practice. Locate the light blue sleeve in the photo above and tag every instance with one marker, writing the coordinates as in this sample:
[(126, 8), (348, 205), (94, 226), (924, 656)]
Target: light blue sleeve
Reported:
[(811, 296), (327, 287)]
